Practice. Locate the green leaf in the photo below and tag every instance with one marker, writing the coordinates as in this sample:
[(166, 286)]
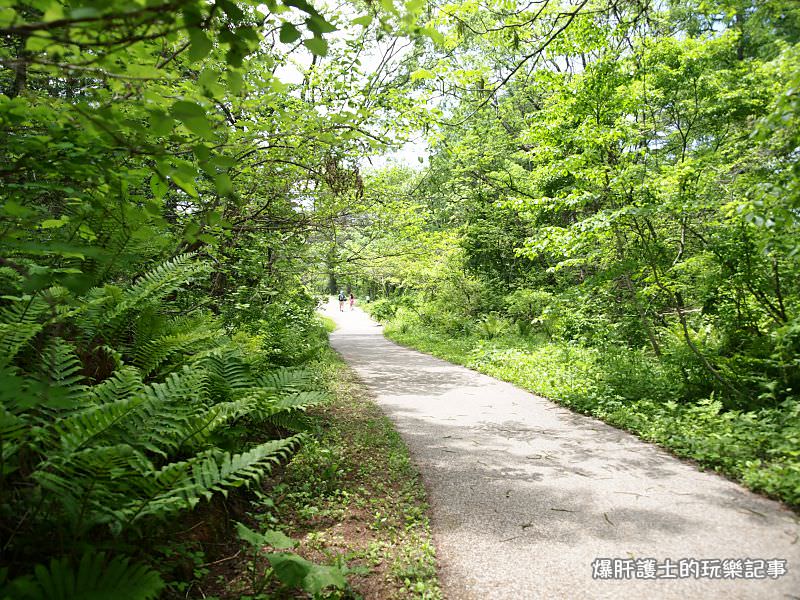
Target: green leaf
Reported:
[(202, 152), (235, 82), (194, 117), (248, 535), (208, 239), (272, 538), (153, 208), (209, 80), (160, 123), (317, 45), (318, 25), (277, 85), (223, 184), (185, 181), (200, 44), (364, 21), (54, 223), (433, 34), (7, 16), (295, 571), (278, 540), (422, 74), (38, 42), (84, 12), (321, 577), (302, 5), (289, 568), (234, 13), (289, 33), (413, 7), (95, 577), (14, 209), (158, 187)]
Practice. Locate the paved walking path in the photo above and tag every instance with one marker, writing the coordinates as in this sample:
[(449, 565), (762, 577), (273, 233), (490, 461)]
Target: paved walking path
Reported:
[(525, 495)]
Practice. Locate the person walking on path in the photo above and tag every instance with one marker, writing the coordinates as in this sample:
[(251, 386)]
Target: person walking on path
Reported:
[(342, 298), (352, 300)]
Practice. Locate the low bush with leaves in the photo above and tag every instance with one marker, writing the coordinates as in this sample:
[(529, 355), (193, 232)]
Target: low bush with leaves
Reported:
[(386, 309), (285, 332)]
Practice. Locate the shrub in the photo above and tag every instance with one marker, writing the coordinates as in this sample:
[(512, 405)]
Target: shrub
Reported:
[(383, 310), (492, 326), (286, 333)]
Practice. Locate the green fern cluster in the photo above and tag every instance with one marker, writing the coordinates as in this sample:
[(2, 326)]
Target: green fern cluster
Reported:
[(115, 413)]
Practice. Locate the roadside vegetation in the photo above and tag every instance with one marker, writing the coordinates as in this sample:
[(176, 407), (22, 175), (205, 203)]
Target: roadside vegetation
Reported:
[(629, 389), (349, 505), (352, 496)]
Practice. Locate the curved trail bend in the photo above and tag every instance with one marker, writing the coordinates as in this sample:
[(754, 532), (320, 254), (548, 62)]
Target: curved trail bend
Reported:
[(525, 494)]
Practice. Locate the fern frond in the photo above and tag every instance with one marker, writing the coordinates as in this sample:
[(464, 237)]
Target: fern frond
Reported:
[(124, 383), (288, 412), (295, 421), (97, 303), (95, 577), (20, 322), (62, 374), (204, 426), (157, 417), (24, 310), (13, 337), (93, 423), (91, 484), (170, 409), (11, 426), (14, 430), (300, 400), (182, 485), (286, 379), (111, 306), (266, 403), (158, 282), (239, 469), (154, 353), (227, 366)]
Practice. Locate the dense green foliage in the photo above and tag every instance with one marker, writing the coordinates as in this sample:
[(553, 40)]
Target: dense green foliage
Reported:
[(164, 419), (609, 216), (615, 222)]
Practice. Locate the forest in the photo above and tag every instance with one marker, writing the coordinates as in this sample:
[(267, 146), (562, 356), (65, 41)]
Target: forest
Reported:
[(602, 206)]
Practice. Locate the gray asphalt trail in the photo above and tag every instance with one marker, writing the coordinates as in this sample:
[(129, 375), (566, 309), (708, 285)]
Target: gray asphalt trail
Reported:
[(525, 494)]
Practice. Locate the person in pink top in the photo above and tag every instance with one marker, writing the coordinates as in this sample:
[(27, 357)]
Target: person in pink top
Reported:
[(352, 300)]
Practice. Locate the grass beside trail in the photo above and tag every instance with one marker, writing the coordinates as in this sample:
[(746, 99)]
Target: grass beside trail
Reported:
[(353, 495), (351, 498), (758, 448)]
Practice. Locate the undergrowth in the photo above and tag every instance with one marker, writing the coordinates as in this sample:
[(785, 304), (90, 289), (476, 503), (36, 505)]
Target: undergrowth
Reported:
[(349, 499)]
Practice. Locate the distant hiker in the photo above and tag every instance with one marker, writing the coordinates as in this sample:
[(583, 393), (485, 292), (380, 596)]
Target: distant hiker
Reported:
[(342, 298), (352, 300)]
